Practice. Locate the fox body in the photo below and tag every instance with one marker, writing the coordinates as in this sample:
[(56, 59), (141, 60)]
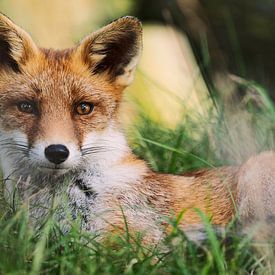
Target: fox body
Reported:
[(60, 133)]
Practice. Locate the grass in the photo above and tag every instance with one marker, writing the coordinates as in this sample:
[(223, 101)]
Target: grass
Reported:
[(192, 145), (48, 251)]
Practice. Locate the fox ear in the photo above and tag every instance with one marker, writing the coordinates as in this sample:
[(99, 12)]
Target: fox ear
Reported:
[(16, 46), (114, 50)]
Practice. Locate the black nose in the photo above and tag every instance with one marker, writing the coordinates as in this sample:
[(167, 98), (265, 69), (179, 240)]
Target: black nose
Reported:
[(57, 153)]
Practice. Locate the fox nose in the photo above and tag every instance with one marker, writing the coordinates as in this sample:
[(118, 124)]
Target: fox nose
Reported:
[(57, 153)]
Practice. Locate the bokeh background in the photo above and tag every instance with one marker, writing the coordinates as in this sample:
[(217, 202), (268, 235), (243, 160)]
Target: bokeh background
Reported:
[(196, 54)]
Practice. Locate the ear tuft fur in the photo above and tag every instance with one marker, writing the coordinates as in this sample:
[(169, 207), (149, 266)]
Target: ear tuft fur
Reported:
[(6, 55), (16, 46), (114, 49)]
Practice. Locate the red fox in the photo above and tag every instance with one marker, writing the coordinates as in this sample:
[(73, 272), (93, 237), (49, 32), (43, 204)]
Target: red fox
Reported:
[(60, 130)]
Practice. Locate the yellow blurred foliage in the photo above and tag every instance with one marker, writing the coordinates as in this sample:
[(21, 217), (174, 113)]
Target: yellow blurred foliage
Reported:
[(168, 77), (60, 23)]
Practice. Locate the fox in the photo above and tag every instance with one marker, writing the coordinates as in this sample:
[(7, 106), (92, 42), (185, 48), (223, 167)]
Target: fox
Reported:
[(60, 133)]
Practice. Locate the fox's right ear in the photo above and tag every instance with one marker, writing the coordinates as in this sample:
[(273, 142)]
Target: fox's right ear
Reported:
[(114, 50), (16, 46)]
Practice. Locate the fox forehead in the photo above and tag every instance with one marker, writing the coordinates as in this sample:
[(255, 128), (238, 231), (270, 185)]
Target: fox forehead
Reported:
[(55, 73)]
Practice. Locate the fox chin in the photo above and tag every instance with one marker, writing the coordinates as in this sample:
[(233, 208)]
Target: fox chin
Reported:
[(60, 133)]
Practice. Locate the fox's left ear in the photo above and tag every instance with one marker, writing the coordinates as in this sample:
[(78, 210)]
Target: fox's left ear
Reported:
[(114, 50)]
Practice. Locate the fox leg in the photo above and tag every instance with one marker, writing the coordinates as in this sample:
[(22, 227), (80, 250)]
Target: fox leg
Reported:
[(256, 195)]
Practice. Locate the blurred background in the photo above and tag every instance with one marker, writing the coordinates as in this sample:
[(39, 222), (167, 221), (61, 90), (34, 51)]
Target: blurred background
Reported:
[(200, 57)]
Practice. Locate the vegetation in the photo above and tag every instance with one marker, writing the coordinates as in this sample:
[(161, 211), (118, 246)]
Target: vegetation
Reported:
[(48, 251)]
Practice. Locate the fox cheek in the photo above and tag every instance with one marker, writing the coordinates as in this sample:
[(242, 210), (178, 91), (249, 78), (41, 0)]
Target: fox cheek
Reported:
[(13, 145)]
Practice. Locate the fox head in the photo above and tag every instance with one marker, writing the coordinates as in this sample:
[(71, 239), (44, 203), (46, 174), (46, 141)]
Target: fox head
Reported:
[(59, 108)]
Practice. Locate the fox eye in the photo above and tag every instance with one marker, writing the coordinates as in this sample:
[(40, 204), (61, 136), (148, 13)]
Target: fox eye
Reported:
[(26, 107), (84, 108)]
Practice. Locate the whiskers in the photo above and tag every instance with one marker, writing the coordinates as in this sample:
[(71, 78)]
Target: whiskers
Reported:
[(94, 150), (14, 148), (104, 146)]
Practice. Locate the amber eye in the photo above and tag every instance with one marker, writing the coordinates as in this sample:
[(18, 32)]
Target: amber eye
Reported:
[(26, 107), (84, 108)]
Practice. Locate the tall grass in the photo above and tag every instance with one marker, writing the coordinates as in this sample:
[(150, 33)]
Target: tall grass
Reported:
[(24, 251)]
